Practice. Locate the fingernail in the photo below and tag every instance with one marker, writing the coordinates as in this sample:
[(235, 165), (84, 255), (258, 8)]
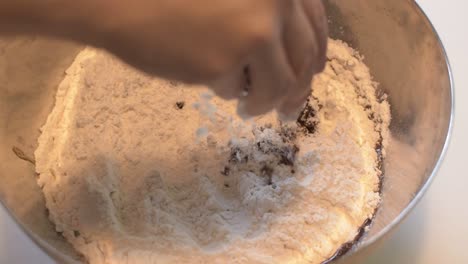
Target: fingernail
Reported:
[(290, 111), (287, 118), (242, 110)]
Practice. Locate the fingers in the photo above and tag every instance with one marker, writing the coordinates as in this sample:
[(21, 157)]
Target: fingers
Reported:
[(230, 86), (292, 107), (301, 44), (270, 77), (298, 39), (281, 71), (317, 17)]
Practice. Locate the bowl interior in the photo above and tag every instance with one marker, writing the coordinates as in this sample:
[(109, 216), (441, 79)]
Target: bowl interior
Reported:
[(406, 57), (399, 45)]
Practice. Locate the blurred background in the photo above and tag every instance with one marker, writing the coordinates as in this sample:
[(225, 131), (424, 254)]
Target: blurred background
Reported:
[(437, 230)]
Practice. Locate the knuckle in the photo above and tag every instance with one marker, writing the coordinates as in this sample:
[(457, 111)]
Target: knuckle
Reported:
[(262, 32), (261, 23), (262, 36)]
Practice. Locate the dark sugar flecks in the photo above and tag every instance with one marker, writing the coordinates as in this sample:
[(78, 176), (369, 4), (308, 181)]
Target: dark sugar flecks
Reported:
[(180, 105), (307, 119)]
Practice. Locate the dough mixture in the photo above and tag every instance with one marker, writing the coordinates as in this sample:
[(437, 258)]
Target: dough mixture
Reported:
[(136, 169)]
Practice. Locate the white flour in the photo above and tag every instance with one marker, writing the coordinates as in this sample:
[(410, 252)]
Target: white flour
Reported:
[(140, 170)]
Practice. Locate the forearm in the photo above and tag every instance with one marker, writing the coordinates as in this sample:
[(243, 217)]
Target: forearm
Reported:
[(68, 19)]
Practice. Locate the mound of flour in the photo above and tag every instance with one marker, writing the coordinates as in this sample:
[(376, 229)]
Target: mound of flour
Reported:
[(141, 170)]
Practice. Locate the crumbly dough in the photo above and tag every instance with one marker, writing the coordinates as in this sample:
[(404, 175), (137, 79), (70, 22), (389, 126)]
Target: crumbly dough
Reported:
[(136, 169)]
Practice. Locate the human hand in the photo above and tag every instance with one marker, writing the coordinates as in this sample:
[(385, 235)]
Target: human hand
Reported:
[(270, 47), (280, 44)]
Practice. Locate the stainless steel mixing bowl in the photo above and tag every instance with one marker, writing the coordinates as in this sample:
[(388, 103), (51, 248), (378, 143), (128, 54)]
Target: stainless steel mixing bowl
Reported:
[(400, 47)]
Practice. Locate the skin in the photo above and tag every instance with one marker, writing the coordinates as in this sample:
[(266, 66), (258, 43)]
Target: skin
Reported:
[(271, 47)]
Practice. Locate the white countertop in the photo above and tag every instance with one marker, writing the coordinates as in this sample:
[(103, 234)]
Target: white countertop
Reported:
[(437, 230)]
